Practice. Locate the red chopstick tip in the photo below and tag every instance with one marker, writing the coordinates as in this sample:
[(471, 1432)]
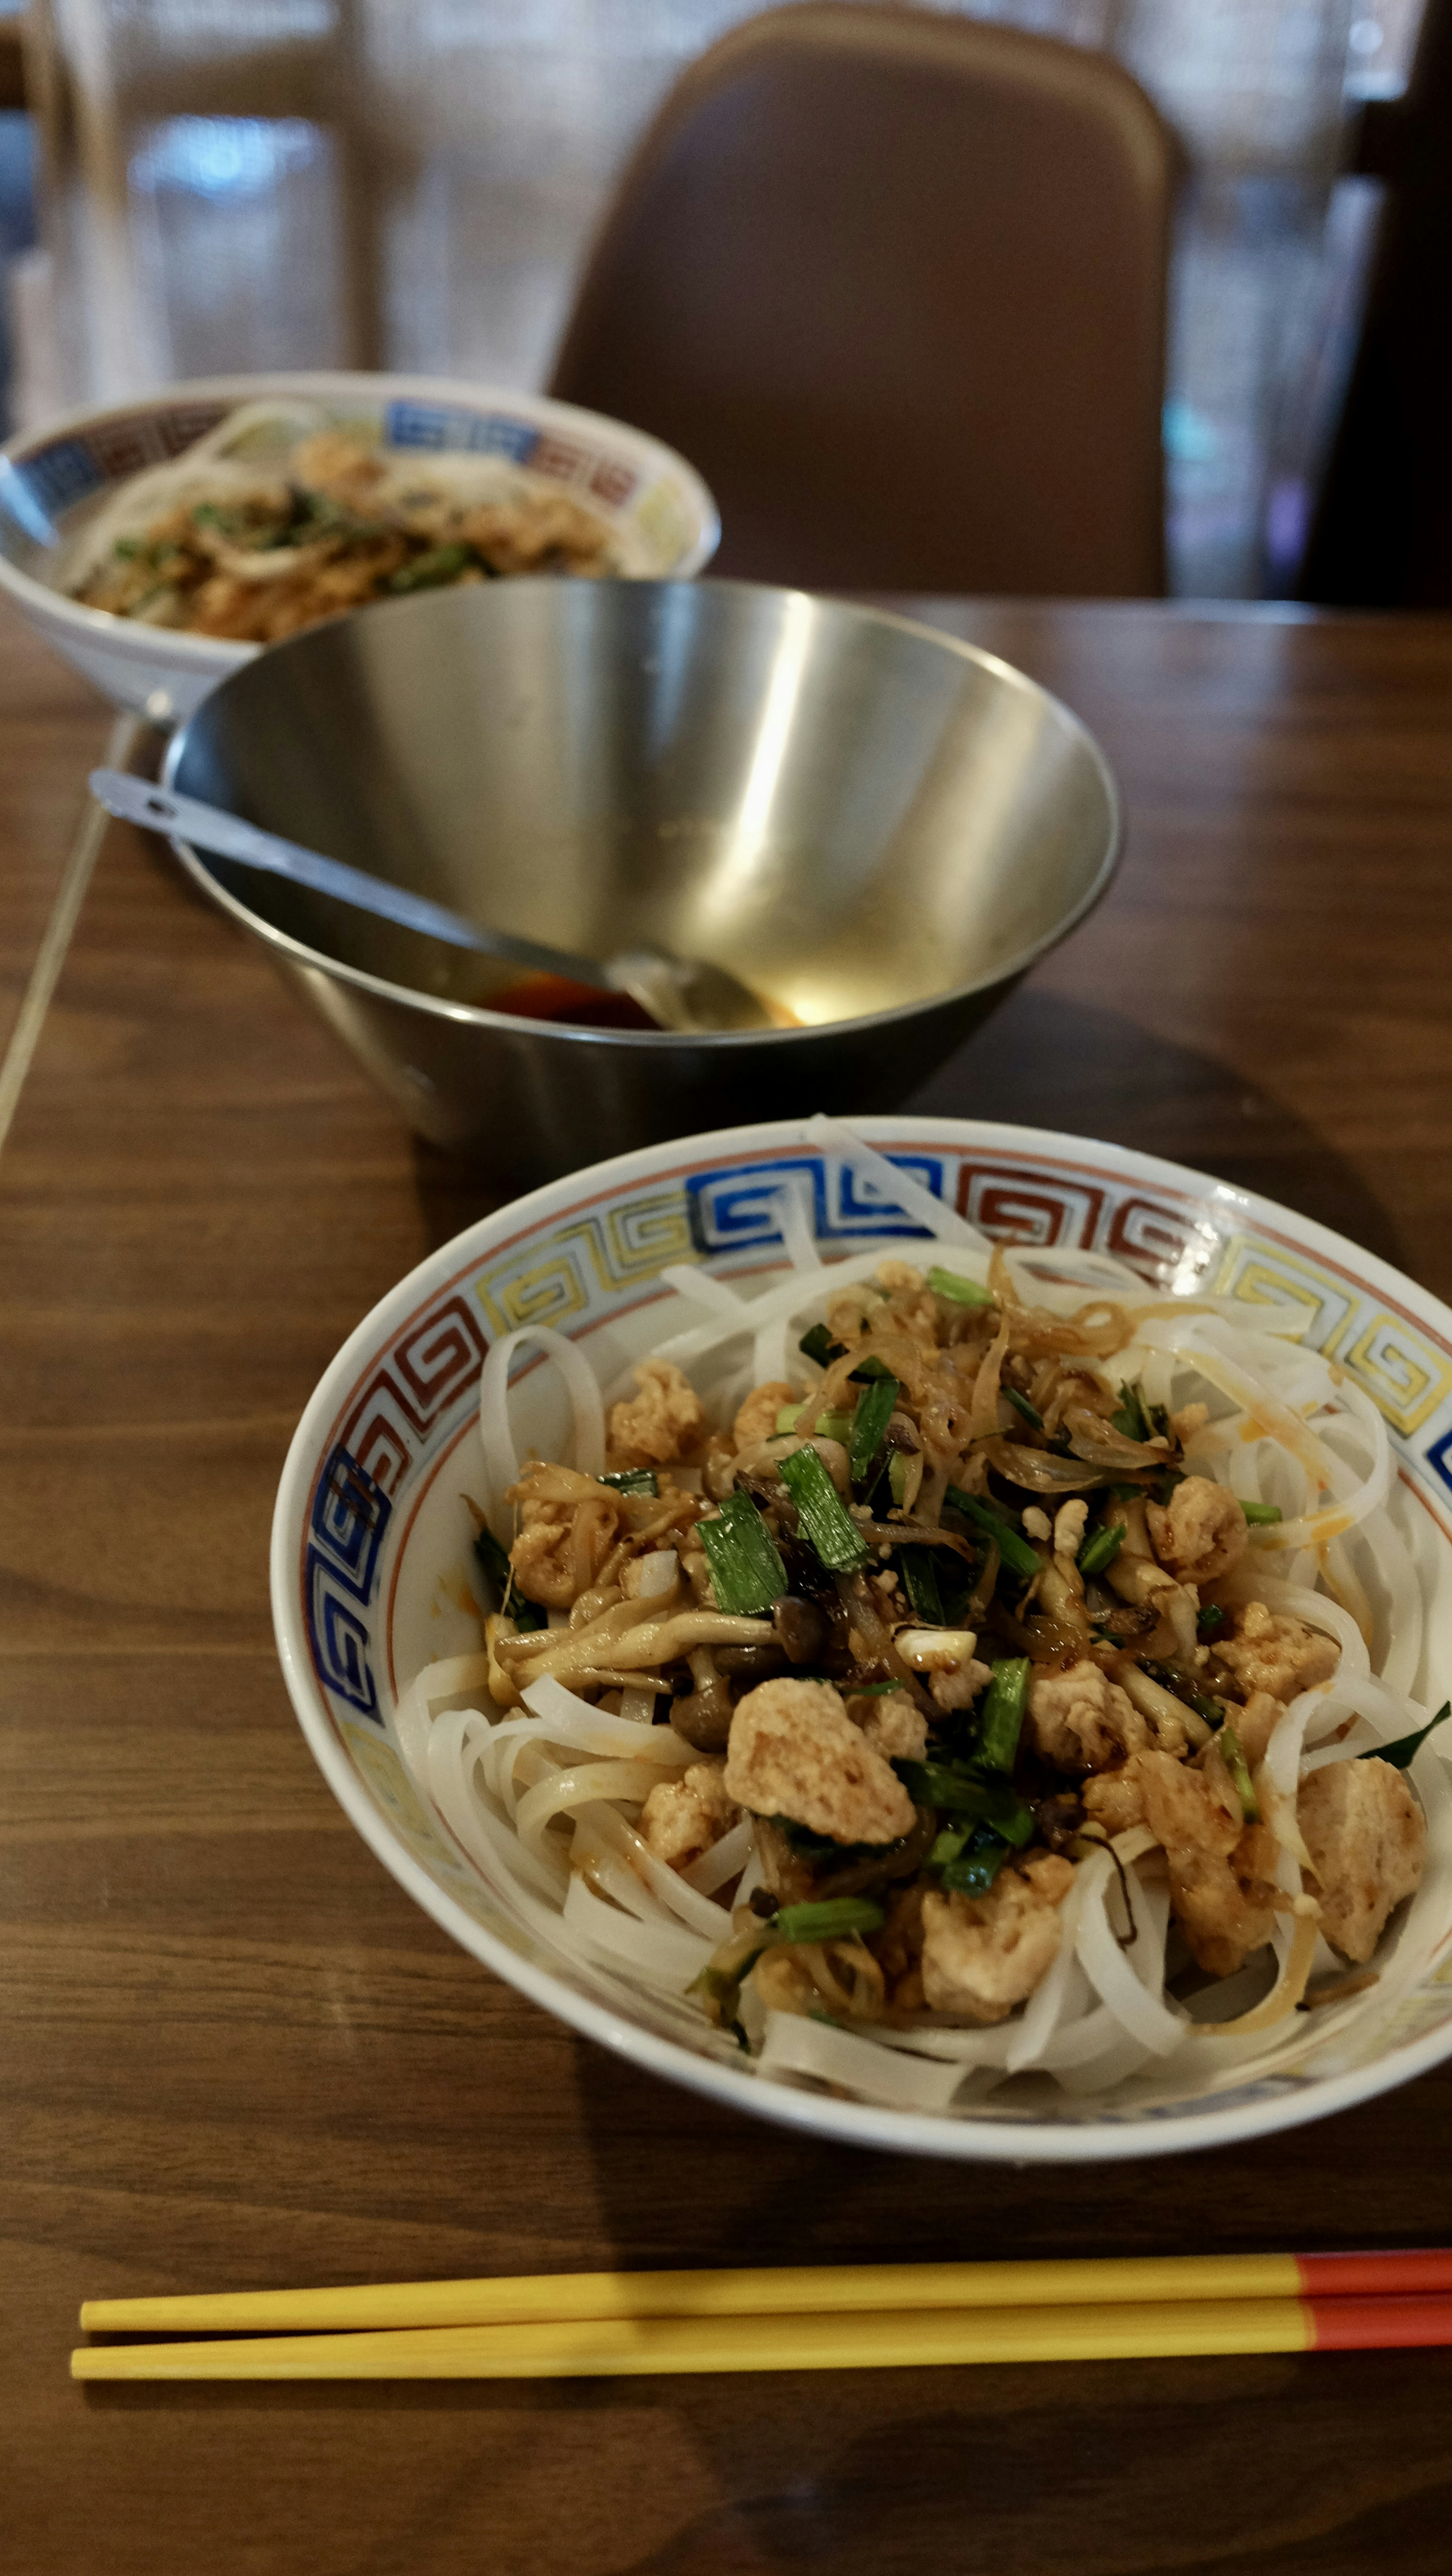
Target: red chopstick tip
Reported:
[(1384, 2325), (1423, 2271)]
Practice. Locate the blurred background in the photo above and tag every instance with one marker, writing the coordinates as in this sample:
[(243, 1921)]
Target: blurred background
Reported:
[(188, 186)]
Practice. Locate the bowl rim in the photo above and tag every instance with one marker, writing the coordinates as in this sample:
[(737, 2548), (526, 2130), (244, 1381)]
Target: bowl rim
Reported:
[(473, 1015), (217, 653), (1153, 2133)]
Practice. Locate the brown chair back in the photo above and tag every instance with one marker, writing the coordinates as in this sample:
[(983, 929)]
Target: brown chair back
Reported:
[(895, 283)]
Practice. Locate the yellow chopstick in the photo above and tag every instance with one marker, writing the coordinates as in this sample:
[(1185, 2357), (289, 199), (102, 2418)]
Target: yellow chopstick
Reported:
[(625, 2347), (820, 2290)]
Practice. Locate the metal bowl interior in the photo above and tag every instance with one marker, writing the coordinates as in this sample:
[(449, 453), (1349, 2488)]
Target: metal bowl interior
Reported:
[(866, 821)]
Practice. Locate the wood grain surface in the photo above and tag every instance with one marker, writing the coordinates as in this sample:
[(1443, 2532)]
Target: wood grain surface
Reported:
[(232, 2053)]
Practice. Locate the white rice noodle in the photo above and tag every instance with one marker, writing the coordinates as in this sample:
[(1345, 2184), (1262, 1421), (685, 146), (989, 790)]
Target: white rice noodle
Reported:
[(943, 1223), (793, 2045), (1392, 1560), (794, 1212), (1054, 1995), (450, 1776), (704, 1287), (667, 1887), (1142, 2014), (664, 1953), (724, 1861), (501, 1458)]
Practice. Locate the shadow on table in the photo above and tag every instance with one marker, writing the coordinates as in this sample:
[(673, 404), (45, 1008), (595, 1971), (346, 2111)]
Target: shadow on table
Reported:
[(1043, 1061)]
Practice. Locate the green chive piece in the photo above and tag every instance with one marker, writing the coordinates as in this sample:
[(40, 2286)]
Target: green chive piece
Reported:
[(527, 1615), (632, 1480), (1131, 1417), (1232, 1754), (832, 1920), (919, 1577), (1001, 1722), (1021, 1404), (871, 1367), (832, 1426), (1209, 1619), (954, 1790), (429, 571), (1101, 1548), (788, 1417), (947, 1846), (1014, 1549), (1406, 1747), (897, 1476), (1261, 1515), (973, 1871), (818, 1345), (875, 1408), (958, 1290), (825, 1524), (746, 1571)]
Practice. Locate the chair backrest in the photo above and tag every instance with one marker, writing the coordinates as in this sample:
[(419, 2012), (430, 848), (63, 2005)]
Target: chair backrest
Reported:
[(895, 283)]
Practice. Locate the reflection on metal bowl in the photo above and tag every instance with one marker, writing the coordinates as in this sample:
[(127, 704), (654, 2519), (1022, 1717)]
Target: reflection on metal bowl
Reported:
[(875, 827)]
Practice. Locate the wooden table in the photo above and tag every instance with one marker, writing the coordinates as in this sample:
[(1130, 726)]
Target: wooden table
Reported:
[(234, 2054)]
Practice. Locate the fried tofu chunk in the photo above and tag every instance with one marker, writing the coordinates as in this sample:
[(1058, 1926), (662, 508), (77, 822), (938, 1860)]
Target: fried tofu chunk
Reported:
[(1272, 1652), (1199, 1533), (1080, 1720), (983, 1954), (660, 1423), (892, 1723), (1367, 1838), (1222, 1871), (794, 1752), (681, 1819)]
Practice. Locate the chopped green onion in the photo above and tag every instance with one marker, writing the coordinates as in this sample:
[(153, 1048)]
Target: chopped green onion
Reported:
[(948, 1845), (818, 1345), (832, 1920), (1261, 1515), (1021, 1404), (972, 1872), (1131, 1418), (875, 1408), (788, 1417), (428, 571), (746, 1572), (819, 1847), (871, 1367), (632, 1480), (959, 1291), (826, 1526), (897, 1477), (1014, 1549), (1101, 1548), (1209, 1619), (833, 1426), (1232, 1754), (1406, 1747), (956, 1791), (1001, 1717), (920, 1582)]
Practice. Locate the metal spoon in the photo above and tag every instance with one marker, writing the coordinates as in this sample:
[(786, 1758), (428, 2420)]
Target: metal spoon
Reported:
[(682, 993)]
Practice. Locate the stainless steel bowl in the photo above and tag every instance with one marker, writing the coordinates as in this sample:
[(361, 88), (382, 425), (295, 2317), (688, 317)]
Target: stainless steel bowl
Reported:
[(875, 826)]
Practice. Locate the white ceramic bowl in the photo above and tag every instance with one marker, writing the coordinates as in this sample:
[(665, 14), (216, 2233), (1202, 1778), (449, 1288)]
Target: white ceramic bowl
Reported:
[(52, 478), (371, 1540)]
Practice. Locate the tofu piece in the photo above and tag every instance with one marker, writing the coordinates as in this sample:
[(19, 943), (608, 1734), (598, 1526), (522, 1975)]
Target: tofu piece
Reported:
[(1367, 1837), (681, 1819), (794, 1752), (982, 1955), (1269, 1651), (1080, 1720), (1199, 1533), (661, 1422)]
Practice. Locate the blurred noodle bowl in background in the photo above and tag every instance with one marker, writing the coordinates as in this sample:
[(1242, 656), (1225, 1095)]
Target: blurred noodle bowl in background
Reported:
[(426, 181)]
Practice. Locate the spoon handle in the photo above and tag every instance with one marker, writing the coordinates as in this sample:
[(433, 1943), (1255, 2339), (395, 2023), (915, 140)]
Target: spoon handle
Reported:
[(185, 818)]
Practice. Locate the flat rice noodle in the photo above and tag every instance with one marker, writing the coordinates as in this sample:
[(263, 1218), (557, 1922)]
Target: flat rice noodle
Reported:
[(501, 1458), (667, 1887), (696, 1282), (794, 2045), (1143, 2016), (488, 1840), (1046, 2004), (724, 1861), (663, 1952), (898, 1188)]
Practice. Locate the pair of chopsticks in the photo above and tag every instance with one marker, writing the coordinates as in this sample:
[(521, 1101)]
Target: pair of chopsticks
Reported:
[(854, 2317)]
